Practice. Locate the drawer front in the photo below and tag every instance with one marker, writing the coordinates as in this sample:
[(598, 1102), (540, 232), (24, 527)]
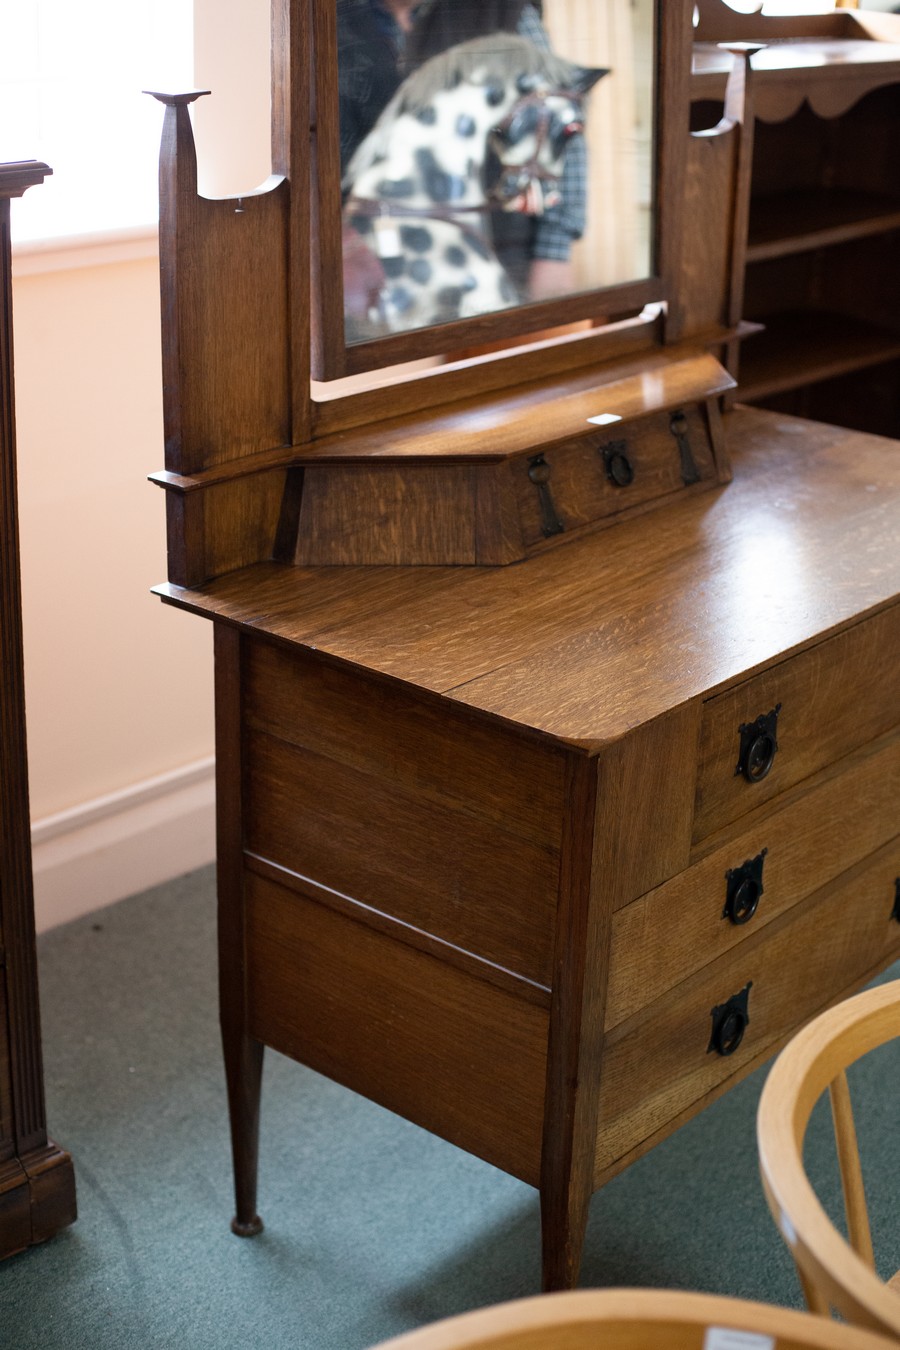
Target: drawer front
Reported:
[(792, 847), (660, 1064), (615, 468), (830, 699)]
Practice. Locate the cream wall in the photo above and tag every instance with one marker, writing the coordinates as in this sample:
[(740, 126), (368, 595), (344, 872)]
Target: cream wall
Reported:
[(232, 125), (102, 712), (118, 686)]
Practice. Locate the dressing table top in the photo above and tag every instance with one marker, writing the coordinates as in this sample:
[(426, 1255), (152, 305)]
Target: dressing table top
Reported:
[(590, 640)]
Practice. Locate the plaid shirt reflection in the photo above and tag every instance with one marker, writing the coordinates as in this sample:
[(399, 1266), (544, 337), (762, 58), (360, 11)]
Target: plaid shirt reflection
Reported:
[(562, 224)]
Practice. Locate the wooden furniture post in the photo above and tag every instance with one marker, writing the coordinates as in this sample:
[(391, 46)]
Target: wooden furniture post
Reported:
[(576, 1029), (37, 1182), (243, 1055)]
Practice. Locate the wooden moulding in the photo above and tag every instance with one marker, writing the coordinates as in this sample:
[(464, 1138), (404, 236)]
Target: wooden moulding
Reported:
[(829, 62)]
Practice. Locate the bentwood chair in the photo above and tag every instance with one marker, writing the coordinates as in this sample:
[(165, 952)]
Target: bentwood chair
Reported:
[(636, 1319), (834, 1273)]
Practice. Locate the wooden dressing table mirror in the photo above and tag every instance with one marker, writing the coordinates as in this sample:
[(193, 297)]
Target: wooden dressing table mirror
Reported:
[(557, 773)]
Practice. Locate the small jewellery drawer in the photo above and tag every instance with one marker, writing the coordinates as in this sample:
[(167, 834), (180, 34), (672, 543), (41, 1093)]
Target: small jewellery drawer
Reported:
[(672, 1055), (612, 469), (776, 729), (788, 850)]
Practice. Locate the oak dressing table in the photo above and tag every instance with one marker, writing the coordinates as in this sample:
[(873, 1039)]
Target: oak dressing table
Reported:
[(557, 773)]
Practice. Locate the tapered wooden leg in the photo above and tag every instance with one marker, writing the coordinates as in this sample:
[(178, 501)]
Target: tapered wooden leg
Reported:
[(575, 1040), (564, 1216), (243, 1054), (243, 1073)]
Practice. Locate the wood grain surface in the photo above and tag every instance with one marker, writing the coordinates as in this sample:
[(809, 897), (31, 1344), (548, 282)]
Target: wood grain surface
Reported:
[(832, 1272), (811, 835), (434, 753), (658, 1062), (452, 1053), (834, 697), (634, 1319), (588, 641)]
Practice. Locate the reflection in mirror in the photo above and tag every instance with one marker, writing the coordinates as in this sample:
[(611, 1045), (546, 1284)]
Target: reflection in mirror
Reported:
[(493, 152)]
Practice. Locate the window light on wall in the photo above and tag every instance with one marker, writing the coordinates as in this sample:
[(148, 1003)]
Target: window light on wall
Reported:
[(71, 77)]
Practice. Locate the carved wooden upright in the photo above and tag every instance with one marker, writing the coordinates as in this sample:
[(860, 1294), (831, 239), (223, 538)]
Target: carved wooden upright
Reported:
[(37, 1185)]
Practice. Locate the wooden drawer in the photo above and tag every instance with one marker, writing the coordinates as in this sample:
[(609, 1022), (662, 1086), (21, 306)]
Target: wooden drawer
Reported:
[(584, 480), (833, 698), (659, 1064), (810, 835)]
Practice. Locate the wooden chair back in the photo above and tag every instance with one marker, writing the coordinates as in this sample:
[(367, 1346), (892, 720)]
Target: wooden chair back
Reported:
[(636, 1319), (834, 1273)]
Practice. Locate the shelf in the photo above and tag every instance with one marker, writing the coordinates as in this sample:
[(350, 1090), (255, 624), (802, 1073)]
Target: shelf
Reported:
[(803, 347), (795, 222)]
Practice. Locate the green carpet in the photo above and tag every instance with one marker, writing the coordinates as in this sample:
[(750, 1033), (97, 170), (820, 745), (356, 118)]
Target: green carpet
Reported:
[(372, 1225)]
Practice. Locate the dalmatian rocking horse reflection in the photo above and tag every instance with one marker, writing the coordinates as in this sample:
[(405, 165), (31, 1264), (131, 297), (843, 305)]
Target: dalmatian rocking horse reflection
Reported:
[(481, 127)]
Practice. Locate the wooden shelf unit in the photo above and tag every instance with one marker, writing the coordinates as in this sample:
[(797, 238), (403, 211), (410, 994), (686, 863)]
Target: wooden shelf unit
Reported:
[(797, 221), (803, 347), (823, 227)]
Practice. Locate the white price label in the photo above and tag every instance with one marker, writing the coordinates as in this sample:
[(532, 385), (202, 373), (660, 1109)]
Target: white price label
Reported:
[(727, 1338), (387, 239)]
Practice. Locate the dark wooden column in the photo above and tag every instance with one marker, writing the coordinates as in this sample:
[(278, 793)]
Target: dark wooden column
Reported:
[(37, 1182)]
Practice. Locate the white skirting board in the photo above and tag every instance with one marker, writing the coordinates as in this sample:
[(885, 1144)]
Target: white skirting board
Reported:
[(118, 845)]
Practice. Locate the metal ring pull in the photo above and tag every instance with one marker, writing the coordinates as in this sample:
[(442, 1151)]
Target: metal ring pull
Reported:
[(759, 745), (729, 1022), (619, 468), (744, 889)]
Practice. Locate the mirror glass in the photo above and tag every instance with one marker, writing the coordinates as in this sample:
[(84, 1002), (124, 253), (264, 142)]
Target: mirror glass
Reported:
[(494, 153)]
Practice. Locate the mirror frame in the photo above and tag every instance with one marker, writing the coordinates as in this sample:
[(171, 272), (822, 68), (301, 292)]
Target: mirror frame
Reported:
[(332, 358)]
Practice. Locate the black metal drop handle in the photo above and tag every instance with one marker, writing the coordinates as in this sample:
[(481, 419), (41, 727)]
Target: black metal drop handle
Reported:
[(729, 1022), (678, 425), (759, 745), (744, 889), (619, 468), (539, 473)]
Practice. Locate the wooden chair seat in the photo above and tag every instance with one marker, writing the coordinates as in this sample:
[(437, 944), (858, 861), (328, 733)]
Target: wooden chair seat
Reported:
[(636, 1319), (834, 1272)]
